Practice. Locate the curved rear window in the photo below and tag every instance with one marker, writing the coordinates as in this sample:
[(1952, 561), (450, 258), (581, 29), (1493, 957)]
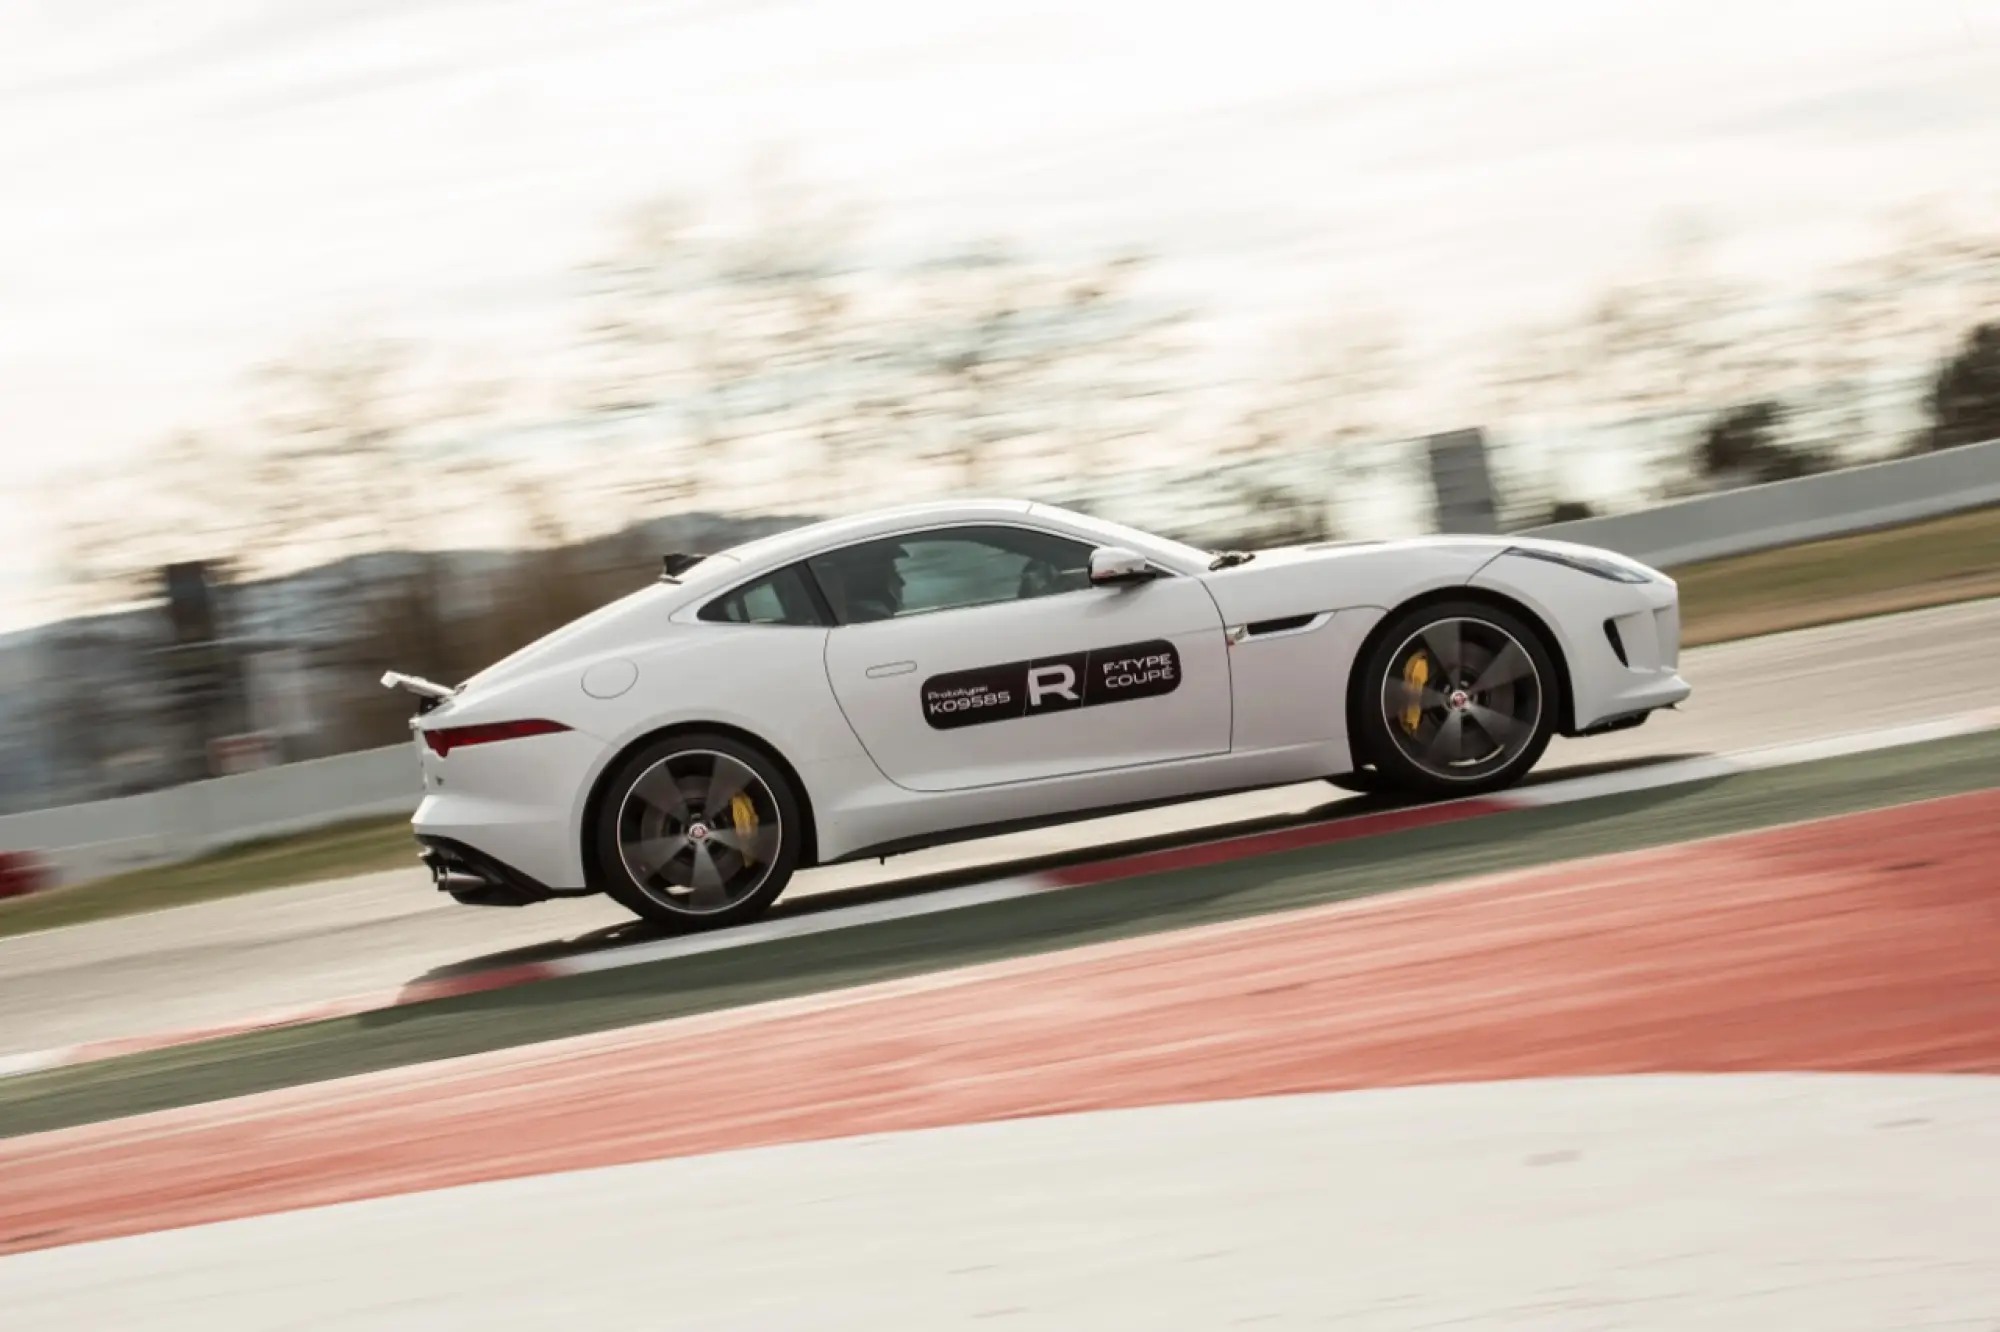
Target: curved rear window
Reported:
[(780, 598)]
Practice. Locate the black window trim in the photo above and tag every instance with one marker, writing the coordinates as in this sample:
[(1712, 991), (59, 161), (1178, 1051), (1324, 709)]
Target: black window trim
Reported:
[(917, 533), (823, 607)]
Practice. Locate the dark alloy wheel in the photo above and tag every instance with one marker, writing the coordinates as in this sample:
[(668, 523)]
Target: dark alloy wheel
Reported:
[(698, 832), (1456, 699)]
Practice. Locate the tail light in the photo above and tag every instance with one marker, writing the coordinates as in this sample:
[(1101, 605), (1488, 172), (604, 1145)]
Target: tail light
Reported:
[(444, 739)]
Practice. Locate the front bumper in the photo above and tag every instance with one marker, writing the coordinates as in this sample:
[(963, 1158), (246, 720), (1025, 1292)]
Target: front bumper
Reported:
[(1620, 641), (1643, 670)]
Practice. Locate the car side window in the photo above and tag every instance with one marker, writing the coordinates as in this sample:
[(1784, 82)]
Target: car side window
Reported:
[(779, 598), (948, 569)]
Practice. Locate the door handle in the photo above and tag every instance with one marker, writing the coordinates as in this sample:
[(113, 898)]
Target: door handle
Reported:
[(891, 668)]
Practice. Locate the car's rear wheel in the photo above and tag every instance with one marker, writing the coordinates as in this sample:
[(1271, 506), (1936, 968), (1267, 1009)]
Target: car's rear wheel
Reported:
[(698, 832), (1457, 698)]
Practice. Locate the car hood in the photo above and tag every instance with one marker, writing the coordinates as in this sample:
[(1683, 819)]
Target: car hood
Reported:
[(1338, 550), (1338, 575), (1488, 545)]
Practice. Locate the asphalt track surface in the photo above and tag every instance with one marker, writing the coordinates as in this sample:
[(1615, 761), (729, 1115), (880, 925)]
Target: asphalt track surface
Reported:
[(216, 962), (1624, 1135), (1151, 1141)]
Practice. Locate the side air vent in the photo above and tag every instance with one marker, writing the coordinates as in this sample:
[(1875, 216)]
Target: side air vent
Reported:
[(1277, 626), (1617, 643)]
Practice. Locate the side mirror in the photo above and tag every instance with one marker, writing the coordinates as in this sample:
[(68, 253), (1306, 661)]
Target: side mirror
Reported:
[(1115, 566)]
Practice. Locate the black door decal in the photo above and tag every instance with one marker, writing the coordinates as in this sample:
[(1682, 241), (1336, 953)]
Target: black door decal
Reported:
[(1017, 689)]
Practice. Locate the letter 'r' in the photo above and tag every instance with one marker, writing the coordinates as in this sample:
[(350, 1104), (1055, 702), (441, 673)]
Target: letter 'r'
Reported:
[(1046, 680)]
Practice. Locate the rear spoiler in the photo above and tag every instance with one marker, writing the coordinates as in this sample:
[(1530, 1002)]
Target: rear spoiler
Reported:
[(429, 691)]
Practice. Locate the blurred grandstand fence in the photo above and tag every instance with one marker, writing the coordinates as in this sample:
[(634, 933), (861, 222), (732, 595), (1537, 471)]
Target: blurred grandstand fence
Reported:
[(1462, 482), (200, 668)]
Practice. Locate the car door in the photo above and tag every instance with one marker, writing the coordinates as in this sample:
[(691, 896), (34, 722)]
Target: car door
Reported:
[(978, 655)]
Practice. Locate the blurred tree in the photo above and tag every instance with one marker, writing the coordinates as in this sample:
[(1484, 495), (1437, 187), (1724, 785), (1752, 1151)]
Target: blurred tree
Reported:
[(1528, 395), (1335, 393), (1859, 358), (1663, 350), (1327, 420), (1828, 369), (1849, 359), (400, 618), (1964, 401), (773, 365), (1743, 446), (447, 620), (195, 498), (343, 456), (365, 467), (353, 455), (1040, 366), (707, 353)]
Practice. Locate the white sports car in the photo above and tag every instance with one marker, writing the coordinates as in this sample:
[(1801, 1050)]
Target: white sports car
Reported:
[(878, 684)]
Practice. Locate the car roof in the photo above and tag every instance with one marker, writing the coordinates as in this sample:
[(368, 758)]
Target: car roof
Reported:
[(790, 544), (755, 558)]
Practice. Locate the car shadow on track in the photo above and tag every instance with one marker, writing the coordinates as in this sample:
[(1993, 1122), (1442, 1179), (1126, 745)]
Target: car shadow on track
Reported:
[(629, 933)]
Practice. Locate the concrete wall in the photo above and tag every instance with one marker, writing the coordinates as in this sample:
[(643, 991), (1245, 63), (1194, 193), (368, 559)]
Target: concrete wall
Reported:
[(83, 842), (1785, 513)]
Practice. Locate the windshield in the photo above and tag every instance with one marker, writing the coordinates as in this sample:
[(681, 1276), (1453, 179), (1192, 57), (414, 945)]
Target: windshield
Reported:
[(1110, 533)]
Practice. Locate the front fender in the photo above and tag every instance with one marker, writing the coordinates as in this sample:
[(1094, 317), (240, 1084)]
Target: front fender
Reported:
[(1576, 606), (1307, 582)]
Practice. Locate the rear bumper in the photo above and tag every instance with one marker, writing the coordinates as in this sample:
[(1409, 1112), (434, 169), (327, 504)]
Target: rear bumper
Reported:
[(515, 804), (476, 879)]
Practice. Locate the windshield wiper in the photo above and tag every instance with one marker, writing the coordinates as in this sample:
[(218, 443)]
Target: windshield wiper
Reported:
[(1229, 559)]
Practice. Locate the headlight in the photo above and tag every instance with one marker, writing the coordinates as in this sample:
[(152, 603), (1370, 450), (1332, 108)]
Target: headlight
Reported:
[(1618, 571)]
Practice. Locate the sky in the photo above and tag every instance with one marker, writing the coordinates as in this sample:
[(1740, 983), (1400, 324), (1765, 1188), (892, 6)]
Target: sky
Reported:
[(196, 187)]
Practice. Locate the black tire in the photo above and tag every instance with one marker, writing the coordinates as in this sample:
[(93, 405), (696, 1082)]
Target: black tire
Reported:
[(1361, 781), (1480, 724), (669, 858)]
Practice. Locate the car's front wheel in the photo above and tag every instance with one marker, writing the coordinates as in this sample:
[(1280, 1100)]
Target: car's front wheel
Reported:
[(1457, 698), (698, 832)]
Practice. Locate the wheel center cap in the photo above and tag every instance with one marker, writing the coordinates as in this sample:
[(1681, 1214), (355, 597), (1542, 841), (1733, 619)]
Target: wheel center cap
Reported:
[(1460, 700), (697, 832)]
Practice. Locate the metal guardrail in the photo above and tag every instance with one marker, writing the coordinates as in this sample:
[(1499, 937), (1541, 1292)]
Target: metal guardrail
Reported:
[(78, 843), (82, 842), (1787, 513)]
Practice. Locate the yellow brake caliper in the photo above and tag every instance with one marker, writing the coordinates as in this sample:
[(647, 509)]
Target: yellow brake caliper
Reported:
[(1416, 674), (744, 815)]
